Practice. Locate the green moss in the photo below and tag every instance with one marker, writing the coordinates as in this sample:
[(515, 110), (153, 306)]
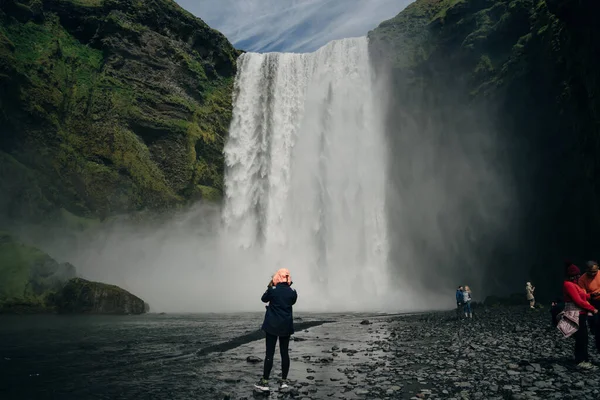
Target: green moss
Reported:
[(192, 64), (444, 6), (73, 222), (16, 263), (209, 193), (27, 275), (88, 3), (111, 132)]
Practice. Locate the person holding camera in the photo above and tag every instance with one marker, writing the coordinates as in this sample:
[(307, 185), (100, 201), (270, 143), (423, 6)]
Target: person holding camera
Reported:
[(278, 325)]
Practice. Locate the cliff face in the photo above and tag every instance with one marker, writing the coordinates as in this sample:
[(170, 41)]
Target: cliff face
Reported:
[(528, 72), (109, 106)]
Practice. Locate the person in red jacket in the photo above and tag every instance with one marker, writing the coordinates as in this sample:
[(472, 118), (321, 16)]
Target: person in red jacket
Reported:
[(576, 296)]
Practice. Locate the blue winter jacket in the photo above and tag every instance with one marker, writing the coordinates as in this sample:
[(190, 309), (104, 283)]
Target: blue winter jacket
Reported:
[(459, 296), (279, 319)]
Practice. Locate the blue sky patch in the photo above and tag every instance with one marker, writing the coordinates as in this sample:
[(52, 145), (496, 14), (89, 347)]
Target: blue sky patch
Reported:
[(292, 25)]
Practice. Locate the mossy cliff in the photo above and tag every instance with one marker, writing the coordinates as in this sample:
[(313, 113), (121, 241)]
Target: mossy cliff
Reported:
[(109, 106), (28, 275), (528, 71), (32, 282)]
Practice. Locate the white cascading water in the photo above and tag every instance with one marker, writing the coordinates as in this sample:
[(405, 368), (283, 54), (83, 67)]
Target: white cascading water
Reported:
[(305, 172)]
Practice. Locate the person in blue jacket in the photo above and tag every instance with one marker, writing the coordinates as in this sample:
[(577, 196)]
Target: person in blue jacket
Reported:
[(278, 324), (459, 300)]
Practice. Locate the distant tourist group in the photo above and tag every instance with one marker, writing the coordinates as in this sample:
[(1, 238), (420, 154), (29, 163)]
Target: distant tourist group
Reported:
[(463, 302)]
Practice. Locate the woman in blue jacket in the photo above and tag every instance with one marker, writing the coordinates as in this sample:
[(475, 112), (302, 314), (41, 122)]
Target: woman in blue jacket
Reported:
[(278, 323)]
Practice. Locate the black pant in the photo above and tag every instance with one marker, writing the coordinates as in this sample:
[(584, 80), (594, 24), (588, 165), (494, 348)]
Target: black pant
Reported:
[(581, 340), (284, 344), (594, 321), (554, 312)]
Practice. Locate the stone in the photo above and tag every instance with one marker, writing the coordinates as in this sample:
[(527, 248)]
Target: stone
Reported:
[(80, 296)]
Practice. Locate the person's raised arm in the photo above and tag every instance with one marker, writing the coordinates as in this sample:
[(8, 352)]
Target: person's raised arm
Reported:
[(266, 297), (575, 296), (294, 296)]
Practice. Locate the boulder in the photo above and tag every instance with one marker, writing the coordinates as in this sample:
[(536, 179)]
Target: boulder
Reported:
[(80, 296)]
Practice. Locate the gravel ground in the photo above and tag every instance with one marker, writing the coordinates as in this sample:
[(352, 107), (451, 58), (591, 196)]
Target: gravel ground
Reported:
[(502, 353)]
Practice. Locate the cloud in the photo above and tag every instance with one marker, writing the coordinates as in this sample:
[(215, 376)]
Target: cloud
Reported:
[(292, 25)]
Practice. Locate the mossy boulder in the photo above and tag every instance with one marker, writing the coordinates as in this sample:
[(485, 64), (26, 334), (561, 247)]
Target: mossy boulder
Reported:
[(110, 107), (33, 282), (79, 296), (28, 276)]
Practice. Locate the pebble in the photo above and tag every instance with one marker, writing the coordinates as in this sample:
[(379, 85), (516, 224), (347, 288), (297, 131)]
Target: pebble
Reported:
[(436, 356)]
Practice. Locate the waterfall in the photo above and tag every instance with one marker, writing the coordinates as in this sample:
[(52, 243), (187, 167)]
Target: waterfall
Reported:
[(306, 169)]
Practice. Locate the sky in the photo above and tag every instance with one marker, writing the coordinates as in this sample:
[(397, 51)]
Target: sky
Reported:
[(292, 25)]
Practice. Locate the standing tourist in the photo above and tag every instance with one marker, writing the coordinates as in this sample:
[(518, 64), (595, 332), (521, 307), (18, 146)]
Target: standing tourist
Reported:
[(459, 301), (590, 282), (573, 320), (529, 290), (467, 302), (278, 325)]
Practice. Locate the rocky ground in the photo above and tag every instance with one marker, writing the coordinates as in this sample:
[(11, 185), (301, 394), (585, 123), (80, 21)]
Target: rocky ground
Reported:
[(503, 353)]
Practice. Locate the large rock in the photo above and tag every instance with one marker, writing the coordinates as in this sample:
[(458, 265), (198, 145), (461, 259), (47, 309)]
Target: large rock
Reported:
[(33, 282), (80, 296), (110, 106), (28, 276)]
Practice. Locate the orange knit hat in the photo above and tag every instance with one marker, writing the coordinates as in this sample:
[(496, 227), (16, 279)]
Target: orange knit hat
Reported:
[(283, 275)]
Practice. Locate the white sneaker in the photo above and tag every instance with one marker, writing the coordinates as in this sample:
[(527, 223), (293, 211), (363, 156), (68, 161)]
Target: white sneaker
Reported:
[(283, 384), (587, 366), (262, 385)]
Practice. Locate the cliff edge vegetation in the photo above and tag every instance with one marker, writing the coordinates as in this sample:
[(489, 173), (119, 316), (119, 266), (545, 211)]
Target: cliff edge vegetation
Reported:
[(109, 107)]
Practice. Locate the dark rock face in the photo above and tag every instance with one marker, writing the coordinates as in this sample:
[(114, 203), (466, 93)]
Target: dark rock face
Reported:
[(80, 296), (521, 75), (109, 106)]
